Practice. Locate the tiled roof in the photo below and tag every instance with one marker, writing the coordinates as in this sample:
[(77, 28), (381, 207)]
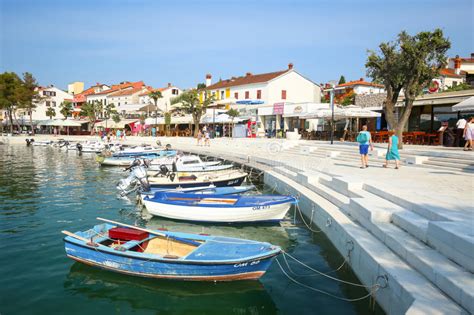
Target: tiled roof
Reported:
[(153, 90), (118, 87), (247, 79), (448, 72), (359, 82), (467, 60), (127, 91)]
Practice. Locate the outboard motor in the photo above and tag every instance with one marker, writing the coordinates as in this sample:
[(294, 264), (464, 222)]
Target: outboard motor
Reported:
[(137, 178), (79, 147), (158, 143), (29, 141), (168, 147), (163, 170)]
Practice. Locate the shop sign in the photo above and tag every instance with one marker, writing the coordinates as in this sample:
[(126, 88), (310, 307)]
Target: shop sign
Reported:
[(278, 108), (298, 110)]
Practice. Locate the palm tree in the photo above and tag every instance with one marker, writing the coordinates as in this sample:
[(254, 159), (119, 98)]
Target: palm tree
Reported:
[(191, 105), (108, 111), (232, 114), (51, 112), (66, 109), (89, 109), (155, 95)]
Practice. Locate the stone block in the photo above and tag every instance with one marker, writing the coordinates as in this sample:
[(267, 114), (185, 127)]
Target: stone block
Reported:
[(412, 223), (416, 159)]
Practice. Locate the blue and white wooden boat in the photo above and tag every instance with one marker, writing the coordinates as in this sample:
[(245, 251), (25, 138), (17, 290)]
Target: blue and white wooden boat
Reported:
[(205, 190), (218, 208), (198, 179), (169, 255)]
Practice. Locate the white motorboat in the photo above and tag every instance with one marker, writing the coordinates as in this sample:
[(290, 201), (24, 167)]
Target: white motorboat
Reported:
[(197, 179)]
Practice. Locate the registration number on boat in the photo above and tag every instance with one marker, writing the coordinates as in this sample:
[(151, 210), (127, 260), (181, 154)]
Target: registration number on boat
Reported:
[(261, 208), (245, 264)]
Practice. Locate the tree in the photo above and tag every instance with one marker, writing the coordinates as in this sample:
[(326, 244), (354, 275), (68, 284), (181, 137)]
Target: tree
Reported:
[(29, 96), (342, 80), (89, 110), (167, 122), (201, 86), (407, 66), (190, 104), (116, 118), (10, 91), (155, 95), (66, 109), (109, 110), (232, 114), (50, 112)]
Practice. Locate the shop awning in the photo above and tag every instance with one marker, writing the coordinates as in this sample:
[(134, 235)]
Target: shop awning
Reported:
[(466, 105), (112, 124)]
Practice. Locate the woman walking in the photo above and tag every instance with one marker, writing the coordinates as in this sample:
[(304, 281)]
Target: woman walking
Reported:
[(469, 134), (392, 151), (199, 138)]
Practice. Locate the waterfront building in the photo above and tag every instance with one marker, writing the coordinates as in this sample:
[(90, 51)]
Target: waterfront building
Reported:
[(49, 97), (463, 66), (164, 103), (251, 92), (75, 88)]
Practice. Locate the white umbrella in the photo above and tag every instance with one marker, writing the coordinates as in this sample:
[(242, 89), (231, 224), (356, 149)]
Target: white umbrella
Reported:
[(358, 112), (62, 123), (466, 105)]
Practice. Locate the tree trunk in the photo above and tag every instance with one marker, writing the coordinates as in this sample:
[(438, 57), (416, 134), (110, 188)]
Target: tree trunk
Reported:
[(11, 120), (31, 123), (196, 120)]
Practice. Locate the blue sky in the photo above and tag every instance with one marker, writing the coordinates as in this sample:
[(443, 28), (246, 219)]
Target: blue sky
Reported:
[(180, 41)]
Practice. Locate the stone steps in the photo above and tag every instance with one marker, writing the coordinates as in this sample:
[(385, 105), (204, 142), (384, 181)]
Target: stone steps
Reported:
[(384, 250), (450, 165)]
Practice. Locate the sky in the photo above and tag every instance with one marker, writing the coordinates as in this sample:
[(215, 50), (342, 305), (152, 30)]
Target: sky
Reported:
[(109, 41)]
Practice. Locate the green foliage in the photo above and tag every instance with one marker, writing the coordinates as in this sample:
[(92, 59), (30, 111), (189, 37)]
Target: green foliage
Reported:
[(66, 109), (109, 110), (116, 118), (190, 104), (233, 113), (50, 112), (201, 86), (342, 80), (10, 85), (168, 119), (459, 87), (408, 64), (89, 110)]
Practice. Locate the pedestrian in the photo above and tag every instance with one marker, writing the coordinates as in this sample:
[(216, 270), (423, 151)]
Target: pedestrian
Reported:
[(365, 141), (461, 123), (108, 137), (153, 132), (207, 139), (469, 134), (199, 138), (123, 135), (392, 150), (117, 134)]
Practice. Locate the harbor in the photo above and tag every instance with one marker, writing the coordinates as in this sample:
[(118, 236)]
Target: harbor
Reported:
[(336, 213)]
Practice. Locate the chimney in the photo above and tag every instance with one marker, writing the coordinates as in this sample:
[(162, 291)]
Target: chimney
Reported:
[(248, 74), (472, 55), (290, 66), (361, 79), (457, 64), (169, 84), (208, 79)]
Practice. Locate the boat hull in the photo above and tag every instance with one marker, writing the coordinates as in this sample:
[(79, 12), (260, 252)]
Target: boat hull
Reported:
[(267, 213), (235, 181), (242, 270)]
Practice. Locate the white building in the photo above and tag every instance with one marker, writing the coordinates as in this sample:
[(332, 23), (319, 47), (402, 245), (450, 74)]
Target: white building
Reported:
[(263, 90), (164, 103), (359, 87), (49, 97), (99, 93)]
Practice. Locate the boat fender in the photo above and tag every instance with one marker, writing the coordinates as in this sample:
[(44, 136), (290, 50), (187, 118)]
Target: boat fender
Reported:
[(172, 176), (174, 169)]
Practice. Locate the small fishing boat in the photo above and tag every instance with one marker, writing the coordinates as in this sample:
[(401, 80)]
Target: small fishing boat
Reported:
[(137, 150), (188, 163), (126, 160), (191, 179), (92, 147), (218, 208), (148, 253), (42, 143), (205, 190)]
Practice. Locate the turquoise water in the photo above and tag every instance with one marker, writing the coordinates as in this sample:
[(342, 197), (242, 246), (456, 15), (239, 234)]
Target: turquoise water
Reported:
[(44, 190)]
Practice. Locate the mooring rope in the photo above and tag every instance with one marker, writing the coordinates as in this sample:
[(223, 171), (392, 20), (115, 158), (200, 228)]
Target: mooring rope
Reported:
[(298, 210), (372, 291), (312, 275)]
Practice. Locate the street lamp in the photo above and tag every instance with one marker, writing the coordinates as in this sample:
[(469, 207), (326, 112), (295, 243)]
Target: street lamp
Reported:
[(331, 100)]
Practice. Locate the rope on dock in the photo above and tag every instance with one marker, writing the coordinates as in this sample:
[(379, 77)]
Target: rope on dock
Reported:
[(298, 210)]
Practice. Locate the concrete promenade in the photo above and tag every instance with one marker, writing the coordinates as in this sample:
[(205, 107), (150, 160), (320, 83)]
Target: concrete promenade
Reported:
[(414, 225)]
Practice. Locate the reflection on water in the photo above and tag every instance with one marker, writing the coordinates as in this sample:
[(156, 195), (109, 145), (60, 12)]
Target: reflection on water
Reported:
[(241, 297), (45, 190)]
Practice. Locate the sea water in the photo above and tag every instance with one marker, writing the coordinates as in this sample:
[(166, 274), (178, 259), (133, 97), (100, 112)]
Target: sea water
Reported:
[(44, 190)]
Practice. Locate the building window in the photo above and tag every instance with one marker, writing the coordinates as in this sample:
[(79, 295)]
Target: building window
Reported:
[(118, 103), (455, 83), (105, 102), (247, 95), (222, 95), (48, 103), (283, 94), (54, 104), (174, 91), (125, 103), (259, 94), (236, 95)]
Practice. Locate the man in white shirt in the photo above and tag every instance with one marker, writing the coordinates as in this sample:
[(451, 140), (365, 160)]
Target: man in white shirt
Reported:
[(459, 132)]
